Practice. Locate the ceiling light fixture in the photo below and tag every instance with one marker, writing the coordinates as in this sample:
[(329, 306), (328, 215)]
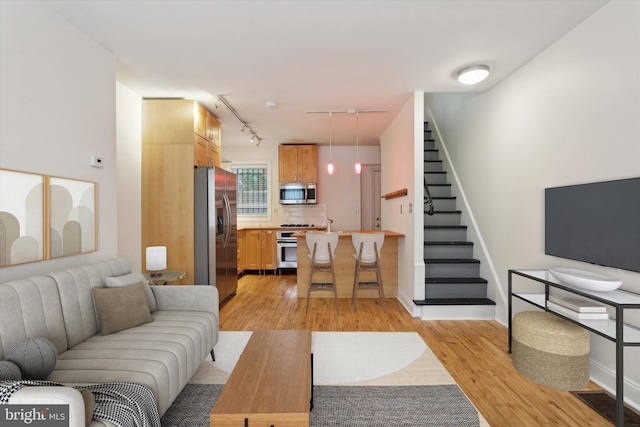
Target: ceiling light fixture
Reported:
[(473, 74), (330, 165), (358, 165), (245, 125)]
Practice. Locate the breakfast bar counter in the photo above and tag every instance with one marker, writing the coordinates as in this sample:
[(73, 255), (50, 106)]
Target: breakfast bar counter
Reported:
[(345, 265)]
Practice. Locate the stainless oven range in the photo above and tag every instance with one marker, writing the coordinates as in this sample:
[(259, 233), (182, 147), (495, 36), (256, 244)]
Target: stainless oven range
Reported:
[(287, 249)]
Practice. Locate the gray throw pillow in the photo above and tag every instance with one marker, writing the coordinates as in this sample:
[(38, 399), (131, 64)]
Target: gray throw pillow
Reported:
[(132, 279), (121, 308), (36, 358), (9, 371)]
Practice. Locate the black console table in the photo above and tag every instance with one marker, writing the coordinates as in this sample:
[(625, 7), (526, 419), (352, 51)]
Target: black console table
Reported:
[(614, 329)]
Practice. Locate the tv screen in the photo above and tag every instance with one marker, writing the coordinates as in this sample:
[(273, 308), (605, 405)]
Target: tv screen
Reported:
[(598, 223)]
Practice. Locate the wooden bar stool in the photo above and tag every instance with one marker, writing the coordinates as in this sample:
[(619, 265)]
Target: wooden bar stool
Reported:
[(368, 247), (322, 252)]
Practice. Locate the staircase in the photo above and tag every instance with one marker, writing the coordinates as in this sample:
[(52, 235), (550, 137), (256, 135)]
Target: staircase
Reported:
[(453, 286)]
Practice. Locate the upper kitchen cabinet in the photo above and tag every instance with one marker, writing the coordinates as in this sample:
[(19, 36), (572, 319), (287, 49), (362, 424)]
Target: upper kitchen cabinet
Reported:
[(213, 130), (180, 121), (200, 120), (298, 163)]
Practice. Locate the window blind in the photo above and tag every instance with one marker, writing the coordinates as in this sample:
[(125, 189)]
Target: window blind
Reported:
[(253, 187)]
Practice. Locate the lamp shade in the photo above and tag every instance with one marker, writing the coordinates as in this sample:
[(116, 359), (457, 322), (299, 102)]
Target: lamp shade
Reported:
[(156, 258), (330, 168)]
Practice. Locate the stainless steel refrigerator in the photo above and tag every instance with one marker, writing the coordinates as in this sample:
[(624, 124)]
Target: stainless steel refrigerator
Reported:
[(216, 230)]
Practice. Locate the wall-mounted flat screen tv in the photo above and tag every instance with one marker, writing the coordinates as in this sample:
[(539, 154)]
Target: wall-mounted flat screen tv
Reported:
[(598, 223)]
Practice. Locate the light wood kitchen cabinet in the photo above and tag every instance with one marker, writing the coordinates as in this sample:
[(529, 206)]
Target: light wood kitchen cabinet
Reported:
[(298, 163), (205, 152), (171, 145), (200, 120), (241, 251), (213, 130), (260, 250)]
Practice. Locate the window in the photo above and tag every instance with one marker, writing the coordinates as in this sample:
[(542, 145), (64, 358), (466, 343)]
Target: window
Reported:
[(253, 189)]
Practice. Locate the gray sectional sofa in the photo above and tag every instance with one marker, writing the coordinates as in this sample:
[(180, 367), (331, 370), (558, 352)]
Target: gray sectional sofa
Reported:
[(162, 354)]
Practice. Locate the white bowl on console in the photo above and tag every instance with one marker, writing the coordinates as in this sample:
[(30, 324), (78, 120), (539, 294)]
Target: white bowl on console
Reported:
[(585, 280)]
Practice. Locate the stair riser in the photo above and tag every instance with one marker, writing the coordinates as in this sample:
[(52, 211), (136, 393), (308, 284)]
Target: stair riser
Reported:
[(452, 270), (455, 290), (443, 204), (445, 235), (435, 178), (458, 312), (431, 155), (442, 219), (433, 166), (429, 144), (440, 190), (448, 251)]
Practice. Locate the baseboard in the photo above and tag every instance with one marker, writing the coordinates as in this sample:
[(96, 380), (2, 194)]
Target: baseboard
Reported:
[(606, 378), (407, 303)]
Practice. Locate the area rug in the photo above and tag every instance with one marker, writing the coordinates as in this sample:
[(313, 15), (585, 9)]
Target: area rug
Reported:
[(361, 379)]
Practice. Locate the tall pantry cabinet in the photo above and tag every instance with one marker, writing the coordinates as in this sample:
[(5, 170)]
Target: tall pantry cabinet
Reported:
[(174, 131)]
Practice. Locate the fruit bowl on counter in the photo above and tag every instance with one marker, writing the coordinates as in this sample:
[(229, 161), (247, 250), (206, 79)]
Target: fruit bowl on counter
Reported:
[(585, 280)]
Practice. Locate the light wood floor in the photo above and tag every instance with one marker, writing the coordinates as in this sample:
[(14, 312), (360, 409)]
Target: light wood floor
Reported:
[(474, 352)]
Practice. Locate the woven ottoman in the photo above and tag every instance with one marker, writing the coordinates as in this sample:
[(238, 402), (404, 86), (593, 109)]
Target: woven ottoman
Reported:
[(550, 350)]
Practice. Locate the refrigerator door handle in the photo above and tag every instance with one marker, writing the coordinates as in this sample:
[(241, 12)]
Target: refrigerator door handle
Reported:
[(227, 221)]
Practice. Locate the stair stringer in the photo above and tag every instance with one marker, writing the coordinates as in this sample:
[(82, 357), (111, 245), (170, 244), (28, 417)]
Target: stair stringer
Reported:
[(495, 291)]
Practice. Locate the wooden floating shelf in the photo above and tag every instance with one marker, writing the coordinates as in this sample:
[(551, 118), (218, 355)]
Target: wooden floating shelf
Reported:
[(394, 194)]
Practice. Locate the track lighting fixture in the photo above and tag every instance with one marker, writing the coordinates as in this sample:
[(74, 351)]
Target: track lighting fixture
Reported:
[(358, 165), (245, 125)]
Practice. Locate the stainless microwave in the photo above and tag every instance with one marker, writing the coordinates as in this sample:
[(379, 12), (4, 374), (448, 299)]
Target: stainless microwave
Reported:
[(298, 194)]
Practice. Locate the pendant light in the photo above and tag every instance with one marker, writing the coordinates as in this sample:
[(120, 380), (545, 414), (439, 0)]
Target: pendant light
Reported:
[(358, 165), (330, 165)]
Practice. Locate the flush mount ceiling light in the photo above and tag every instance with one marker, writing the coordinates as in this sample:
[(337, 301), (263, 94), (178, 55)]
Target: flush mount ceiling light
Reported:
[(473, 74)]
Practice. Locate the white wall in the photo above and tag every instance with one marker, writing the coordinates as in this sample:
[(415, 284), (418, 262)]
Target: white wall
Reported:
[(401, 147), (571, 115), (57, 109), (129, 171)]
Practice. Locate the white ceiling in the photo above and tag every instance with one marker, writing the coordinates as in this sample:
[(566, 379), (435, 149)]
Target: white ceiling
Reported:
[(316, 55)]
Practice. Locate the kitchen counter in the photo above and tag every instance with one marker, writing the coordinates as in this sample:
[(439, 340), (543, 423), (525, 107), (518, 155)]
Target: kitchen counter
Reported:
[(345, 265)]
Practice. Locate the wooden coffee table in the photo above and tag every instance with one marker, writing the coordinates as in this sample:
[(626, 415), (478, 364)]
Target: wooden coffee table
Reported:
[(270, 385)]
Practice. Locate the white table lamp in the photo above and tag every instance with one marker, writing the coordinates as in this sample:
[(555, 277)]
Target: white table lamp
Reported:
[(156, 259)]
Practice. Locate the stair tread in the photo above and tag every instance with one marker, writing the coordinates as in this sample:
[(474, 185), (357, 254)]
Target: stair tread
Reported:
[(428, 280), (442, 227), (448, 243), (451, 261), (447, 212), (455, 301), (438, 185), (443, 198)]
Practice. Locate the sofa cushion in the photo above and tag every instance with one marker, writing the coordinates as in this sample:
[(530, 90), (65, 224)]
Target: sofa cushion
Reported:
[(121, 308), (36, 358), (132, 279), (31, 308)]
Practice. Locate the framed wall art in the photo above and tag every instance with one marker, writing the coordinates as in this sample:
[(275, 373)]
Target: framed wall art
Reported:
[(22, 217), (72, 217)]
